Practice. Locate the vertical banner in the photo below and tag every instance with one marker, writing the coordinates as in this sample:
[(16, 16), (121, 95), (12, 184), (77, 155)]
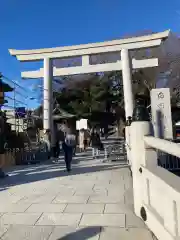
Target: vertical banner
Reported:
[(161, 113)]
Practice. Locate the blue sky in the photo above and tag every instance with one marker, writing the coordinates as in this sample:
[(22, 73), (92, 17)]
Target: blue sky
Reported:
[(50, 23)]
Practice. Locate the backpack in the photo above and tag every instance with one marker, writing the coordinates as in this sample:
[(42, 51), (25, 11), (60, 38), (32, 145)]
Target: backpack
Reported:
[(70, 140)]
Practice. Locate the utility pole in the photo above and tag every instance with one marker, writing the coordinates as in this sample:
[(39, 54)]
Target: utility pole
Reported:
[(1, 92)]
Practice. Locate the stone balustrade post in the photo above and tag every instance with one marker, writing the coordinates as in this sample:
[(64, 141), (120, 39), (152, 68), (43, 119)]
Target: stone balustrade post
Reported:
[(140, 127)]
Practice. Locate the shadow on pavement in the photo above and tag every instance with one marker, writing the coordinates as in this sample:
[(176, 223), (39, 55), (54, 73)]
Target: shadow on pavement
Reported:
[(82, 234), (28, 174)]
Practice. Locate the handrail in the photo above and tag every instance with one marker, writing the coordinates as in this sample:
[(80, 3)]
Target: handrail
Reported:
[(163, 145)]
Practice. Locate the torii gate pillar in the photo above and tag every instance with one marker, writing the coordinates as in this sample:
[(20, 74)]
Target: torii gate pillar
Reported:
[(127, 82), (47, 95)]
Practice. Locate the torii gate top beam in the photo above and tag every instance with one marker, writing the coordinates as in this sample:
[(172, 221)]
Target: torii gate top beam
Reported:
[(92, 48)]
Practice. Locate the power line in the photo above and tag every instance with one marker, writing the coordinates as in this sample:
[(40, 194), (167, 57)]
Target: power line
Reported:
[(15, 83), (8, 97)]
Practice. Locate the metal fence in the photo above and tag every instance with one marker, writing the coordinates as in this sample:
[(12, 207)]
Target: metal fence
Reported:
[(115, 150), (168, 161), (26, 155)]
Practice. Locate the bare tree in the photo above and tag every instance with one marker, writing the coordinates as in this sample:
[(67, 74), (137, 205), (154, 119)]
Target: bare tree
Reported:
[(167, 74)]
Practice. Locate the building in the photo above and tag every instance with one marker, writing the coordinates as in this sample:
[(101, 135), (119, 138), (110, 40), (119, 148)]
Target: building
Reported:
[(18, 124)]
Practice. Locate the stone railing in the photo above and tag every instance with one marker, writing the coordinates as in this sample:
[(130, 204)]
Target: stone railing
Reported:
[(156, 190)]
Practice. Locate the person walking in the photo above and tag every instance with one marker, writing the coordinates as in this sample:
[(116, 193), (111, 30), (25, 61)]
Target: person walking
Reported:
[(37, 136), (86, 136), (68, 146), (95, 142), (47, 140), (81, 140), (56, 142)]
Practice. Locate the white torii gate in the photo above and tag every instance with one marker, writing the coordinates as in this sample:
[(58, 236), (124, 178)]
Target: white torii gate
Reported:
[(126, 64)]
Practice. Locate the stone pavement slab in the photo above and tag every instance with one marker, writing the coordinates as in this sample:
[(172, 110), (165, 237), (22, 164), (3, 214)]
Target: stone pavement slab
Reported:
[(10, 199), (46, 208), (13, 208), (128, 196), (116, 191), (62, 219), (37, 199), (112, 220), (20, 218), (67, 191), (118, 208), (132, 221), (106, 199), (71, 199), (84, 208), (90, 192), (28, 233)]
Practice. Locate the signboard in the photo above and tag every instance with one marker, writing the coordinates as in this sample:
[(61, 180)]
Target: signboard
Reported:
[(81, 124), (78, 125), (161, 113), (20, 112)]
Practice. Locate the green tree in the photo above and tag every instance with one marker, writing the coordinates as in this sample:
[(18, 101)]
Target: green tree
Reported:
[(85, 97)]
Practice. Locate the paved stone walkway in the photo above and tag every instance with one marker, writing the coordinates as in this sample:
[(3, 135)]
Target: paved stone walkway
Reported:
[(94, 202)]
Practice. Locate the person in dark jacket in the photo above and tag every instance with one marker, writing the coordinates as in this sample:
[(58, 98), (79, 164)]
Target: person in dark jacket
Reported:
[(68, 147), (95, 142)]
